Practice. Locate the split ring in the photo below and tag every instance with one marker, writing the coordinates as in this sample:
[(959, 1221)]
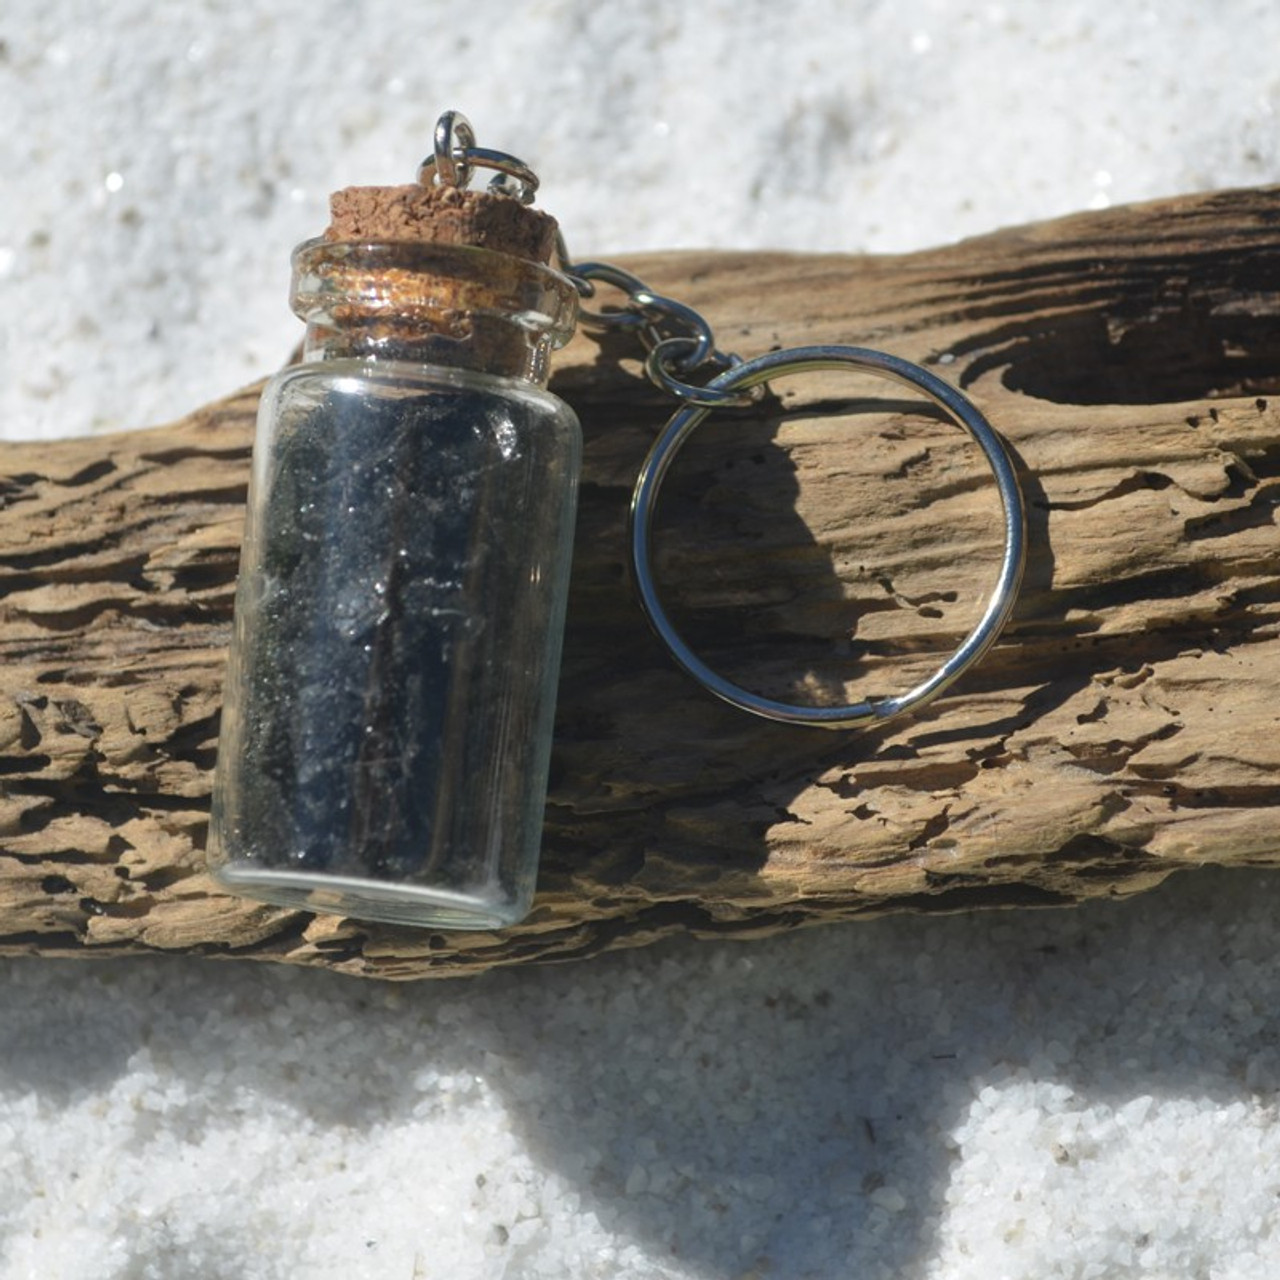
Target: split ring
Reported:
[(778, 364)]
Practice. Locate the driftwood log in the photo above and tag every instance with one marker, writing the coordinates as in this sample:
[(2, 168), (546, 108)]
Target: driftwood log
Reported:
[(1127, 725)]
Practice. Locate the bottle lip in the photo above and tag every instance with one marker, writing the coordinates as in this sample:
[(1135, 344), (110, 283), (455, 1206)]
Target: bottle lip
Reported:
[(442, 286)]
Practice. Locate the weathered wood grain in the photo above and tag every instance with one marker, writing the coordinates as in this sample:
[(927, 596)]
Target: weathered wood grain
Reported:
[(1127, 725)]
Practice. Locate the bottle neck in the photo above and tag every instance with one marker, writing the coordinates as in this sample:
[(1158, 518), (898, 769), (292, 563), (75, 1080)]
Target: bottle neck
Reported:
[(459, 307)]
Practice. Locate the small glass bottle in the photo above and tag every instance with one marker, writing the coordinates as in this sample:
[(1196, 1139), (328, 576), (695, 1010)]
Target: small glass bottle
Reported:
[(387, 715)]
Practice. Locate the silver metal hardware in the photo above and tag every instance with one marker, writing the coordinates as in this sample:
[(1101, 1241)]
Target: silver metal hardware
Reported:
[(778, 364), (679, 342), (456, 157)]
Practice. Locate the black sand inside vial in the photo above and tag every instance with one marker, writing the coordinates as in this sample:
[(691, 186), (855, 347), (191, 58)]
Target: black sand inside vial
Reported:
[(400, 557)]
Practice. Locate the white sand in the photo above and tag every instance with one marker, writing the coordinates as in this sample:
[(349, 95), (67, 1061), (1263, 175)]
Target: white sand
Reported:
[(1067, 1094)]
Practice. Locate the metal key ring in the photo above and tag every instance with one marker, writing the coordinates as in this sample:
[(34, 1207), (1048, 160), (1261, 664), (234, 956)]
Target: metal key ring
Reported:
[(778, 364)]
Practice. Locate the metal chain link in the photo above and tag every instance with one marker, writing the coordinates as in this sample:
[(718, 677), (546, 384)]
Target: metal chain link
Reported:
[(678, 340)]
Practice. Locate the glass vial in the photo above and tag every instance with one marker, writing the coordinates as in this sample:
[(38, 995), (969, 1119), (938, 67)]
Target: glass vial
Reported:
[(387, 716)]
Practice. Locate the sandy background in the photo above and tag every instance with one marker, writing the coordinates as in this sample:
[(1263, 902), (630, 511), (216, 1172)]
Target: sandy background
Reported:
[(1063, 1094)]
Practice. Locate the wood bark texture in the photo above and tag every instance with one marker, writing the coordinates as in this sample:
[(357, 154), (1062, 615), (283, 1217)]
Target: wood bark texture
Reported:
[(829, 543)]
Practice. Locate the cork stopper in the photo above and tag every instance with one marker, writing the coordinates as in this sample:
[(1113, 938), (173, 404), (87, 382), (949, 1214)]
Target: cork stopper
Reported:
[(435, 273), (427, 213)]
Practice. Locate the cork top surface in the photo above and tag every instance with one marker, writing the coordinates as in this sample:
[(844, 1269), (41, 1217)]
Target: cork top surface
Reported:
[(442, 215)]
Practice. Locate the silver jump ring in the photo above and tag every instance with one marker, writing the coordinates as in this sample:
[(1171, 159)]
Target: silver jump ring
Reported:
[(454, 137), (456, 157), (707, 397), (778, 364)]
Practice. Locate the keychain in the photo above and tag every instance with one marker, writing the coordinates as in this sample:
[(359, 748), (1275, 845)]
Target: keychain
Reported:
[(390, 692)]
